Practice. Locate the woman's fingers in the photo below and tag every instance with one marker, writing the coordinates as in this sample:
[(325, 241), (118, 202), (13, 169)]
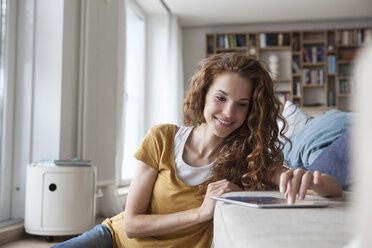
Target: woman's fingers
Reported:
[(285, 177), (307, 179), (317, 177), (221, 187), (294, 185), (297, 182)]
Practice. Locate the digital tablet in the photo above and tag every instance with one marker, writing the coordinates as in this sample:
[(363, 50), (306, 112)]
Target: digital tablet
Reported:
[(268, 202)]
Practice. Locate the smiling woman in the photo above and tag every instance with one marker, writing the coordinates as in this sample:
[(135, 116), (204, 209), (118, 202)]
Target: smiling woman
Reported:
[(234, 146)]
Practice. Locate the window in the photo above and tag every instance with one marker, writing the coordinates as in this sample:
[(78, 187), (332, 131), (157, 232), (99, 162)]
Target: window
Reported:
[(6, 96), (134, 88)]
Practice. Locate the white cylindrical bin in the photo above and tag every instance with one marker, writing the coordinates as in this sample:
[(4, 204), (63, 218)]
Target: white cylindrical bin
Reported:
[(60, 200)]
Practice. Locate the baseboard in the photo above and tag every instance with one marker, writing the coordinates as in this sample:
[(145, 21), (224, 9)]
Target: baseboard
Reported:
[(12, 233)]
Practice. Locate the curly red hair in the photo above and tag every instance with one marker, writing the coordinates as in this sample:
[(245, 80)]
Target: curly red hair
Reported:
[(251, 153)]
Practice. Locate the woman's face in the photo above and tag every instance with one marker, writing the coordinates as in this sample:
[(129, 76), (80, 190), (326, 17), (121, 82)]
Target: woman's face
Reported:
[(226, 103)]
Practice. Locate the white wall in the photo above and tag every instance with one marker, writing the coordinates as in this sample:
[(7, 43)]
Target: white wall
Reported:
[(194, 37)]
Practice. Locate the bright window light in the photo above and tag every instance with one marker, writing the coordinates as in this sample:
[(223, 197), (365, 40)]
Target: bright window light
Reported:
[(134, 90)]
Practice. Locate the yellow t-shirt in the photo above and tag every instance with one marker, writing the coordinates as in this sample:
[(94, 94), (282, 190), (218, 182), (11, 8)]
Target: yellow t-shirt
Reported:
[(169, 195)]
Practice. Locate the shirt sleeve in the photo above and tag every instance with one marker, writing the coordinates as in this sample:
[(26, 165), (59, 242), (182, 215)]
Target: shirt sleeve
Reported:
[(150, 149)]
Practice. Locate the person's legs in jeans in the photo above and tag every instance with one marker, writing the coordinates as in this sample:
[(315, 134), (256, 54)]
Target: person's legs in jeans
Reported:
[(98, 237)]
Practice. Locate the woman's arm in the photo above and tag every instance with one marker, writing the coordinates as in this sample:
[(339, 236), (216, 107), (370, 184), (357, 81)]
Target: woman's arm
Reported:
[(137, 223), (293, 182)]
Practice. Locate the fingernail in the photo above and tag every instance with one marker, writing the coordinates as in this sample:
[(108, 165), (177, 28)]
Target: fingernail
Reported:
[(290, 199)]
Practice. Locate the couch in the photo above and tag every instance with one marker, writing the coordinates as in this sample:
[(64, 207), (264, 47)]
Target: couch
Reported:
[(239, 226)]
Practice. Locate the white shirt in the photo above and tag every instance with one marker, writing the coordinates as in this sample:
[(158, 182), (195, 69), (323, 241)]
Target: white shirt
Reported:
[(188, 174)]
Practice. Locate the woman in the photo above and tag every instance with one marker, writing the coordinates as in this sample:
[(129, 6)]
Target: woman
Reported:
[(229, 143)]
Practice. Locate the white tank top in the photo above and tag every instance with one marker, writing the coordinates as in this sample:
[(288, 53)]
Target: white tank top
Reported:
[(188, 174)]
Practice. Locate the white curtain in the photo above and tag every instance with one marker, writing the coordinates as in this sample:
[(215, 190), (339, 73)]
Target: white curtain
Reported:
[(164, 73), (175, 66)]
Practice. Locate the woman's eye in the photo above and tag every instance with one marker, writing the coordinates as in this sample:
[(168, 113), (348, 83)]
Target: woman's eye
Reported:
[(220, 98), (243, 104)]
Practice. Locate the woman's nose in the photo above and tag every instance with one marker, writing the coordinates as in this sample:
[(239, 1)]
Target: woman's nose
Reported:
[(228, 110)]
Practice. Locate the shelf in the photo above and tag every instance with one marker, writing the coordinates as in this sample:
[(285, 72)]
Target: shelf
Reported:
[(345, 61), (348, 46), (313, 85), (282, 91), (231, 48), (344, 78), (313, 42), (322, 108), (275, 48), (282, 80), (313, 63), (332, 49), (343, 95)]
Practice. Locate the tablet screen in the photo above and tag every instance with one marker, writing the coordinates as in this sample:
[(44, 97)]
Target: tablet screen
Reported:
[(268, 202)]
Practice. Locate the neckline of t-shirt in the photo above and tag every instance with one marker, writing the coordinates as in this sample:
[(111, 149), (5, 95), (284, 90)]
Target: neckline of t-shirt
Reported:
[(182, 148)]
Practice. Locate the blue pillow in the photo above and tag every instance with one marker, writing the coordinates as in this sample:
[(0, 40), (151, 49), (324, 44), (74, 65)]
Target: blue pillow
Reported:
[(334, 161), (316, 136)]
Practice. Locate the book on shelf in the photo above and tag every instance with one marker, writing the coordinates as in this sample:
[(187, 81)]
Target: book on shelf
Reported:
[(331, 98), (230, 41), (280, 39), (298, 88), (295, 67), (350, 37), (262, 40), (344, 86), (220, 41), (314, 54), (227, 43), (313, 76), (274, 39), (283, 97), (296, 43), (233, 40), (331, 64), (210, 44), (347, 54), (306, 56), (240, 40)]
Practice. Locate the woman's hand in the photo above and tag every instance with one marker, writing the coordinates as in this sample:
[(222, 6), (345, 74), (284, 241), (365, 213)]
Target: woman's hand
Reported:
[(217, 188), (298, 182)]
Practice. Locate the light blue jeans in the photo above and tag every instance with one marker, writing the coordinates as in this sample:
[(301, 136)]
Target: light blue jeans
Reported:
[(98, 237)]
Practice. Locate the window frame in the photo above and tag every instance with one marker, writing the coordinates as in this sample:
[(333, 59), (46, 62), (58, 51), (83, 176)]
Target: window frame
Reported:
[(8, 115)]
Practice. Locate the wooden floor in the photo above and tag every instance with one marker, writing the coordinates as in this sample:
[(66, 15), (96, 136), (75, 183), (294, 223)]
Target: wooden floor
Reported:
[(34, 242)]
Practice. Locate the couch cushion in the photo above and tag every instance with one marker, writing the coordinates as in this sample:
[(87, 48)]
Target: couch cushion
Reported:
[(334, 161), (295, 117), (317, 135)]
